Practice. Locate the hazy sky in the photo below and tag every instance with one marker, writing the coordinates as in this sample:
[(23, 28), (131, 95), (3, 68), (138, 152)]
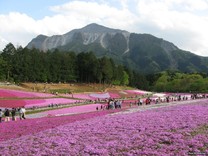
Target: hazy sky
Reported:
[(183, 22)]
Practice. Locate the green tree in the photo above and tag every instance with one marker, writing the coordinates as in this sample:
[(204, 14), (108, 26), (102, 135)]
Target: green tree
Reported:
[(107, 69), (161, 83), (3, 71), (118, 75), (125, 78), (87, 65), (9, 50), (7, 54)]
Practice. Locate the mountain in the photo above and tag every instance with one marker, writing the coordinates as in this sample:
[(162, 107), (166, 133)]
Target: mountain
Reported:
[(142, 52)]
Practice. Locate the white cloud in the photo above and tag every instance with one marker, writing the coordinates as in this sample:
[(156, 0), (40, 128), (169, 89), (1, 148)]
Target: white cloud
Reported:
[(183, 26), (191, 5), (180, 21), (16, 28), (92, 12)]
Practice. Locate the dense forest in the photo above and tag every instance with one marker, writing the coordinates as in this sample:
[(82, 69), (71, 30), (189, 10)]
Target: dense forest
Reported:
[(31, 65), (25, 65)]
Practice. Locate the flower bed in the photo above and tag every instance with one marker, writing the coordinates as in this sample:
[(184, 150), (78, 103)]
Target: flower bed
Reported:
[(48, 102), (137, 92), (11, 130), (28, 103), (114, 95), (73, 110), (99, 95), (178, 130), (6, 93), (79, 96)]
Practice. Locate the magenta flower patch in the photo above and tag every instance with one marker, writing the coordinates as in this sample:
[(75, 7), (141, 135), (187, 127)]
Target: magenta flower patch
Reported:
[(7, 93), (29, 103)]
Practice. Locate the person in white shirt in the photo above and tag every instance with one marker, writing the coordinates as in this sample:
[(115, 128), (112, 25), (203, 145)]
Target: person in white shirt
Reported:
[(22, 112)]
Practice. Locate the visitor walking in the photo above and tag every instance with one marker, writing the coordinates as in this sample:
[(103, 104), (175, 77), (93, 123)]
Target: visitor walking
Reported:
[(13, 112), (7, 114), (22, 112), (130, 104)]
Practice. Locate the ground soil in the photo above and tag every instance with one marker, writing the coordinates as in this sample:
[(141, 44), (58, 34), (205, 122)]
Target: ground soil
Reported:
[(64, 87)]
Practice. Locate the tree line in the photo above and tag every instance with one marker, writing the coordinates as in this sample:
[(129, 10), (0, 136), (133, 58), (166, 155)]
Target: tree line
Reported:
[(175, 81), (32, 65)]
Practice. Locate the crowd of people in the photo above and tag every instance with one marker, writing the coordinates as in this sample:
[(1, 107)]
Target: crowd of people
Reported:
[(111, 104), (8, 114), (115, 103)]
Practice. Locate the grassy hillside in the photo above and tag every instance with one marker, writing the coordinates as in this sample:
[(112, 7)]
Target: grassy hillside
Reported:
[(64, 87)]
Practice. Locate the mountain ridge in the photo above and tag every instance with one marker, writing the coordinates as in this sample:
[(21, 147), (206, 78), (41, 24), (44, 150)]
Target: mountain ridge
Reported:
[(141, 52)]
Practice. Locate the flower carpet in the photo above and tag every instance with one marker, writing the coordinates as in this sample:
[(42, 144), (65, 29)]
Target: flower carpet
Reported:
[(8, 93), (73, 110), (29, 103), (179, 130), (11, 130), (92, 96)]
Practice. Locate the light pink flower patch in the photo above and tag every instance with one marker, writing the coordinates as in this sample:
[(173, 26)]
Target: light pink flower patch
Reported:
[(137, 92), (73, 110), (92, 96), (100, 95), (7, 93), (47, 102), (81, 96)]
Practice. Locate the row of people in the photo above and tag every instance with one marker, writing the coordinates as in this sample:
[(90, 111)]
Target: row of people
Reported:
[(7, 113), (112, 104)]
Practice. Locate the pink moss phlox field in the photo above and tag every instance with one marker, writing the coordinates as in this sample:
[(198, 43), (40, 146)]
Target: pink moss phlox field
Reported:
[(80, 96), (137, 92), (10, 130), (99, 95), (74, 110), (12, 103), (157, 132), (114, 95), (46, 102), (92, 96), (28, 103), (7, 93)]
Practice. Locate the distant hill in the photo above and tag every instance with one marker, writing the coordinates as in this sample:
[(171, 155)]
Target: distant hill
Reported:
[(141, 52)]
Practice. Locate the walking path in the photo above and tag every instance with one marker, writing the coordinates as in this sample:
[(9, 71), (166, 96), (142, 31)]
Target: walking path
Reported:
[(134, 108), (153, 106)]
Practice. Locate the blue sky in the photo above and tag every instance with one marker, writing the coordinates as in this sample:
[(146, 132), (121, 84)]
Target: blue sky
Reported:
[(182, 22), (34, 8)]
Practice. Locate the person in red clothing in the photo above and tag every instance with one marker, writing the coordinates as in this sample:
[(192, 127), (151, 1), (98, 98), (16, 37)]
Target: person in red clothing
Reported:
[(147, 101)]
